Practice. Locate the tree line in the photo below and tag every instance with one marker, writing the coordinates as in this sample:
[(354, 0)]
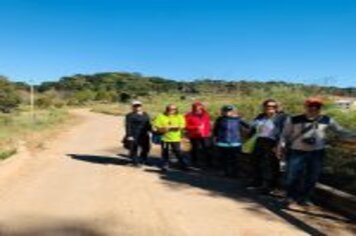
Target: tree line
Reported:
[(111, 87)]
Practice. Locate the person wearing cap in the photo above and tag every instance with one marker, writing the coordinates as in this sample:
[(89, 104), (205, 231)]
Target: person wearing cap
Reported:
[(171, 125), (198, 129), (304, 137), (137, 127), (227, 137), (268, 127)]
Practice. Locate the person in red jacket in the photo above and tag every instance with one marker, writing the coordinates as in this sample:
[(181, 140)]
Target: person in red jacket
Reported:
[(198, 129)]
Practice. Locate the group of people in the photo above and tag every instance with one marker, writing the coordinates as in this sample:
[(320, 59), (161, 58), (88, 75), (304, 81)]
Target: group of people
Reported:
[(272, 135)]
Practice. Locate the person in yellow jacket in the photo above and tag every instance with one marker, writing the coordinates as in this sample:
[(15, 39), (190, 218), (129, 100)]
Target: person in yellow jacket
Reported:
[(170, 125)]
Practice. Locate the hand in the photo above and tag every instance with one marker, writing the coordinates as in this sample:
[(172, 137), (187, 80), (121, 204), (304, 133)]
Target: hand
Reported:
[(185, 140), (173, 128), (163, 130), (280, 152)]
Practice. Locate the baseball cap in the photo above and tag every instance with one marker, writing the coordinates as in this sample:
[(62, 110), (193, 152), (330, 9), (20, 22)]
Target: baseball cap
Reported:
[(228, 108), (136, 103), (314, 101)]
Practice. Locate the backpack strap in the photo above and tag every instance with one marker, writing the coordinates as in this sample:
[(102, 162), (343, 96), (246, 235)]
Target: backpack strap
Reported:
[(313, 126)]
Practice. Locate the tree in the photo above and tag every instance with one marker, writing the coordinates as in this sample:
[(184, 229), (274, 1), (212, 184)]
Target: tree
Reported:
[(9, 98)]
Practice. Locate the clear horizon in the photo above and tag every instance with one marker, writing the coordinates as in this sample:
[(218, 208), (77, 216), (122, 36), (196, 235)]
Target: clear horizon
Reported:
[(309, 42)]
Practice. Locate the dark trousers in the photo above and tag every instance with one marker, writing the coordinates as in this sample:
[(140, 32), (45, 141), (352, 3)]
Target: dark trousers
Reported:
[(142, 143), (265, 164), (228, 157), (200, 146), (303, 171), (173, 147)]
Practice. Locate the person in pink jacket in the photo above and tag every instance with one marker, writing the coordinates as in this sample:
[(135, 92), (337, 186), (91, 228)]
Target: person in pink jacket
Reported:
[(198, 129)]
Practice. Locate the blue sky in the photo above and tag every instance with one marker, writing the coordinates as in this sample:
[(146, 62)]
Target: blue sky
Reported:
[(309, 41)]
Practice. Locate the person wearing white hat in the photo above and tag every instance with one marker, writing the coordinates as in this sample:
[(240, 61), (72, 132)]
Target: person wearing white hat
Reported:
[(137, 126)]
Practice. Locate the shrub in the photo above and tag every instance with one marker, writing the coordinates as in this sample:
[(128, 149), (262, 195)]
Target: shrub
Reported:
[(9, 98)]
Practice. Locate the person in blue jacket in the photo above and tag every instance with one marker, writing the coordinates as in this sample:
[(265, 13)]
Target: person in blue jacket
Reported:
[(227, 137)]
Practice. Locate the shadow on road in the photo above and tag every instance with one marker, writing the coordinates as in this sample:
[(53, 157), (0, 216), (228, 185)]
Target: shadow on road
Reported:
[(231, 188), (60, 230), (219, 186), (120, 159), (322, 216), (100, 159)]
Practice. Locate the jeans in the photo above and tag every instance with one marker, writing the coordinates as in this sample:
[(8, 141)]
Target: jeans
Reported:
[(142, 143), (228, 157), (303, 171), (176, 150), (200, 146), (265, 164)]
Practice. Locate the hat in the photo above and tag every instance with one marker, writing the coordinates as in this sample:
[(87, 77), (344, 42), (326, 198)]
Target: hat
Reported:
[(314, 101), (197, 104), (136, 102), (228, 108)]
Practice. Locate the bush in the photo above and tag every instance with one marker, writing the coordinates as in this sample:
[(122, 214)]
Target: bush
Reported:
[(124, 97), (81, 97), (9, 98), (44, 102)]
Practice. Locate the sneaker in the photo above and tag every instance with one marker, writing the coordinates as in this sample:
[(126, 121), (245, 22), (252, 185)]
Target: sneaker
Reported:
[(136, 164), (286, 203), (253, 186), (305, 203), (144, 161), (277, 193), (164, 168)]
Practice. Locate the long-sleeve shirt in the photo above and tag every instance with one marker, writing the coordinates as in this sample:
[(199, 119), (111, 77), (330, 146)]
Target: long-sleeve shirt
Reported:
[(227, 131), (137, 125), (198, 125), (293, 134)]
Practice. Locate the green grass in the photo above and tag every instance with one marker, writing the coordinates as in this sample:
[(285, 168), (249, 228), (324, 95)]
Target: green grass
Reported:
[(6, 154)]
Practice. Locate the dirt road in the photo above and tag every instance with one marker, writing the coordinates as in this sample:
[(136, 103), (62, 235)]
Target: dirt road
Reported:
[(79, 185)]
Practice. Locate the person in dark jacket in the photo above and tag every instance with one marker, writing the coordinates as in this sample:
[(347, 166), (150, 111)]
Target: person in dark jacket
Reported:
[(198, 130), (268, 127), (138, 126), (227, 137)]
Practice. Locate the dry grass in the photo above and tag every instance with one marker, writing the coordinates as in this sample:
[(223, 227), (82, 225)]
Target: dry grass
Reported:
[(21, 127)]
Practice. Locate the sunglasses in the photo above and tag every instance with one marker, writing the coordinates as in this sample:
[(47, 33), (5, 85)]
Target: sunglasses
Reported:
[(271, 106), (317, 106), (172, 109)]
